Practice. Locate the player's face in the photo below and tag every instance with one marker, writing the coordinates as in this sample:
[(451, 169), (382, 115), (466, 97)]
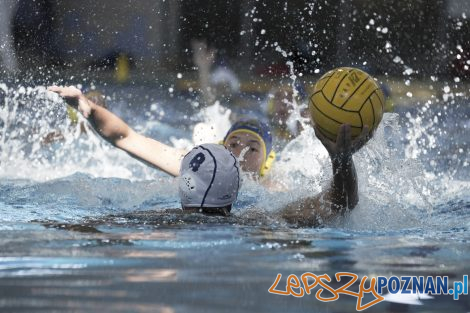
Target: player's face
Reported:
[(250, 148)]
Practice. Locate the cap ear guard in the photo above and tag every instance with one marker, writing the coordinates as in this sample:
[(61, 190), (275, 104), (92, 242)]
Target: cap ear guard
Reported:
[(266, 167)]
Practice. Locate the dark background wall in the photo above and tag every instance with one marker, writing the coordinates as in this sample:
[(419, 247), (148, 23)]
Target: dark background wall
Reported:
[(390, 36)]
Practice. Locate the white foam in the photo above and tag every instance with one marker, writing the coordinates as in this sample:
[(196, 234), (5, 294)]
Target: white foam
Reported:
[(395, 190)]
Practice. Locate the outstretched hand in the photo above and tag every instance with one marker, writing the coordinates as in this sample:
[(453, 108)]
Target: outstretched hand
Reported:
[(74, 97), (345, 146), (203, 57)]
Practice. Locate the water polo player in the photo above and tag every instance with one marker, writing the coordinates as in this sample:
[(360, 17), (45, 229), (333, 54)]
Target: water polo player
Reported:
[(209, 179), (250, 137), (242, 138), (251, 141), (209, 173)]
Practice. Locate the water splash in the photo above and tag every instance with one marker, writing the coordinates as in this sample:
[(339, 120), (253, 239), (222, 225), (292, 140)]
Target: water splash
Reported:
[(39, 181), (30, 117)]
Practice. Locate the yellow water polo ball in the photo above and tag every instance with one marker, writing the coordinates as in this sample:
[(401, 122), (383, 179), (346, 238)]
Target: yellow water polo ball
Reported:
[(346, 95)]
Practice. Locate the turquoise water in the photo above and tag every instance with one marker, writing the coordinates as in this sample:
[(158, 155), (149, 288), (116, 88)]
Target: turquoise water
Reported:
[(82, 226)]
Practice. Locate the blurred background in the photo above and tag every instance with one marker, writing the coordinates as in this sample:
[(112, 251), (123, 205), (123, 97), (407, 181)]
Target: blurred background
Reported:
[(74, 229), (394, 37)]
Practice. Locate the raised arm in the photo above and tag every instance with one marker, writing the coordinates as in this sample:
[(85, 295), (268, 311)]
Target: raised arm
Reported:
[(204, 58), (118, 133), (342, 193)]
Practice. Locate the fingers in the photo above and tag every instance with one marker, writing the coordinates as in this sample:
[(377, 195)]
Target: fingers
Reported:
[(318, 133), (54, 88), (363, 135), (70, 94), (58, 90), (364, 132), (343, 139), (323, 139), (66, 92), (361, 140)]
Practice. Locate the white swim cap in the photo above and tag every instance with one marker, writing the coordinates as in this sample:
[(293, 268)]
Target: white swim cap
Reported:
[(209, 177)]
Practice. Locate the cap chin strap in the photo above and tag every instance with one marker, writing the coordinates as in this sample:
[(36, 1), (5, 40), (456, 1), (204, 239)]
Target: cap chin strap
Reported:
[(267, 165)]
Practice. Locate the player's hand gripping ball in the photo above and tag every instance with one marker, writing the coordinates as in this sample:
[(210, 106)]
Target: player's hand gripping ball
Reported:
[(346, 96)]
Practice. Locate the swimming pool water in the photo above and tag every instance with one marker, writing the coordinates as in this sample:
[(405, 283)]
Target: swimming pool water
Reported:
[(82, 228)]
